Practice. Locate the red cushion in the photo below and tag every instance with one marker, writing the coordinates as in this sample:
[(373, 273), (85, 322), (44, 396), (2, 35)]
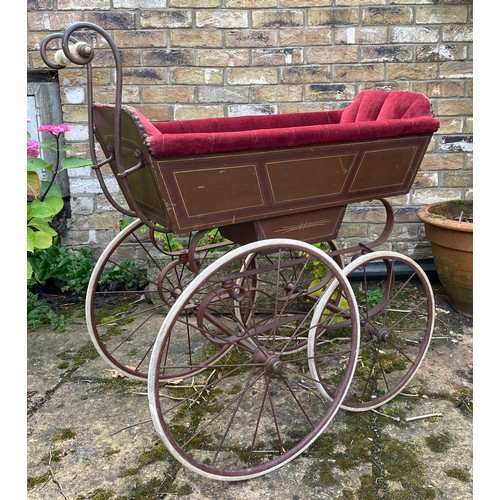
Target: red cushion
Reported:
[(373, 114)]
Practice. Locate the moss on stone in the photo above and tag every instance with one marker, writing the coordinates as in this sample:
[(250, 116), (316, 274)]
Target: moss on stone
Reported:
[(459, 473), (36, 480), (439, 443)]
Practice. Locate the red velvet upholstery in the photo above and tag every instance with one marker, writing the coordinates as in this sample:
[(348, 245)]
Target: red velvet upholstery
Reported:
[(373, 114)]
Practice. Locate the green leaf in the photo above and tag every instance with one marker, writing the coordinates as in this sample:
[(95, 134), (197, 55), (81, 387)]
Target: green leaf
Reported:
[(53, 190), (30, 239), (42, 239), (33, 187), (56, 203), (42, 225), (37, 164), (30, 270), (75, 162), (50, 144), (45, 209)]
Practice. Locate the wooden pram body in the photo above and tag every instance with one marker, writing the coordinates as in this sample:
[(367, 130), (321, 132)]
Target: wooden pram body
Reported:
[(269, 176)]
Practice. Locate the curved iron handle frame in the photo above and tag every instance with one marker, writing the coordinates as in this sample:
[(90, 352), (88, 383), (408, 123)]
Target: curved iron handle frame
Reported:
[(82, 54)]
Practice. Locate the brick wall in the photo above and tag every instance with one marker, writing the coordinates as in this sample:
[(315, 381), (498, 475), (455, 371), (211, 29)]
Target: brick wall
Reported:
[(197, 58)]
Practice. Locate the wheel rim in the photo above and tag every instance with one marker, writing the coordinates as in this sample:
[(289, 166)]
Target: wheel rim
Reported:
[(258, 404), (397, 319), (124, 315)]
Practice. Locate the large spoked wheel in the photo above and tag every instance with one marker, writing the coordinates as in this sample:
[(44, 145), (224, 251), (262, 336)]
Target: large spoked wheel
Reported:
[(396, 308), (255, 408), (133, 286)]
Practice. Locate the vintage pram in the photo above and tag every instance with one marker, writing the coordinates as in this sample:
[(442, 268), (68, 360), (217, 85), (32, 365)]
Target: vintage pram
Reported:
[(250, 323)]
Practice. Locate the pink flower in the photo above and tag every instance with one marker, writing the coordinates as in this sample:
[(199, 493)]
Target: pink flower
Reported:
[(33, 148), (54, 129)]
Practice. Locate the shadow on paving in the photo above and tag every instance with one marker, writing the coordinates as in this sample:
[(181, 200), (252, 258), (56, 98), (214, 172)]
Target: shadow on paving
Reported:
[(90, 435)]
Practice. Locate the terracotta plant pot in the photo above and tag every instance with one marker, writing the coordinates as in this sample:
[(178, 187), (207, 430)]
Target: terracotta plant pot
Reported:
[(448, 226)]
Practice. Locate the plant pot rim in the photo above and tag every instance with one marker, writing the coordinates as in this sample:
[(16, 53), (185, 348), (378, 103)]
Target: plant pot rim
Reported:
[(427, 215)]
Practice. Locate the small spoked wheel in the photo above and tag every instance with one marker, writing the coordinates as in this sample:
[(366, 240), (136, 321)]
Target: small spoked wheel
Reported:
[(396, 309), (255, 407), (132, 287)]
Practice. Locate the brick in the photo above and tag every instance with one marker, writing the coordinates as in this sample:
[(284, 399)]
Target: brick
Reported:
[(454, 107), (305, 3), (469, 125), (358, 3), (141, 76), (222, 19), (414, 34), (305, 74), (103, 205), (112, 20), (277, 18), (197, 76), (442, 161), (223, 94), (139, 4), (302, 37), (53, 21), (73, 95), (142, 38), (223, 57), (329, 92), (358, 72), (249, 76), (456, 69), (207, 4), (167, 94), (251, 38), (277, 93), (457, 34), (332, 55), (165, 57), (387, 15), (451, 126), (400, 232), (197, 111), (165, 19), (276, 57), (196, 38), (361, 35), (456, 144), (386, 53), (412, 71), (129, 57), (386, 86), (252, 109), (426, 180), (39, 5), (156, 112), (333, 17), (83, 4), (441, 15), (82, 205), (440, 88), (456, 179), (428, 196), (106, 95), (306, 107), (442, 52)]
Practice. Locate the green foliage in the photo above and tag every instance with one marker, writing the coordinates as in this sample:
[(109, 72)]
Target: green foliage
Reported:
[(71, 270), (40, 313), (45, 198), (68, 272)]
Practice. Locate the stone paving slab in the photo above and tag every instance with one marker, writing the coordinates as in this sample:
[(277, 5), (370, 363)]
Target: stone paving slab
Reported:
[(90, 434)]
